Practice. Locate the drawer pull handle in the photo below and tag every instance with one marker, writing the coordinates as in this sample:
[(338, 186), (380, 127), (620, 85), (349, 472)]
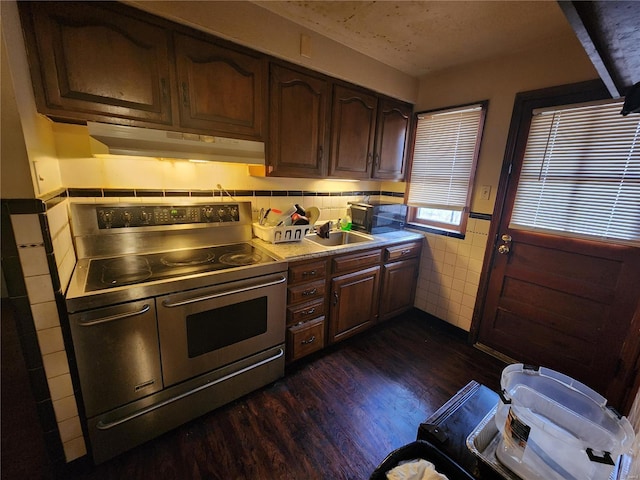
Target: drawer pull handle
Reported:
[(310, 273), (313, 291), (309, 312), (335, 298), (310, 340), (405, 252)]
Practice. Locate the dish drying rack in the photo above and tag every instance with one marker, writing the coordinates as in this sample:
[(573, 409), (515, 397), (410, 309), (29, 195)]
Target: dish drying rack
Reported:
[(282, 234)]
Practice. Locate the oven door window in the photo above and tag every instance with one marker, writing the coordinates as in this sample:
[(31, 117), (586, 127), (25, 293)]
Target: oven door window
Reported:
[(220, 327)]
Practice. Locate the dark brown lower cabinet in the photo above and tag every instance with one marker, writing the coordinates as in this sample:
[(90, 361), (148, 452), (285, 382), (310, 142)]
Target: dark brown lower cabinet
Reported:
[(398, 287), (353, 303)]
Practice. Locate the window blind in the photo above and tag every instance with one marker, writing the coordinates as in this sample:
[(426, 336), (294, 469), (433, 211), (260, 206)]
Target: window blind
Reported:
[(443, 158), (581, 174)]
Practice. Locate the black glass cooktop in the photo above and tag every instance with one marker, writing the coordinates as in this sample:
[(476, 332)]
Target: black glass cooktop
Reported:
[(133, 269)]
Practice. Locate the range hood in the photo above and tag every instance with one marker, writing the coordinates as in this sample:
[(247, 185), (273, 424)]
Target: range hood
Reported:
[(147, 142)]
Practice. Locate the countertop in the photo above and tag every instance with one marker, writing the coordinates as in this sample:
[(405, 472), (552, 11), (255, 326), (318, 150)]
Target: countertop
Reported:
[(306, 249)]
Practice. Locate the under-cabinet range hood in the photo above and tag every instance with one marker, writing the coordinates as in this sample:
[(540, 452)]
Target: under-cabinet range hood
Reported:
[(147, 142)]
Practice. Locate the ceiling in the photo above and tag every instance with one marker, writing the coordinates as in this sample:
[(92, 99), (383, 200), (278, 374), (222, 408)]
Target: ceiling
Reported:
[(421, 37)]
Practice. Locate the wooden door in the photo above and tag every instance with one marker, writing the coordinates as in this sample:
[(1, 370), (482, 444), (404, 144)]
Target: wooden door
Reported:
[(560, 302), (298, 113), (353, 123), (99, 62), (222, 91), (354, 303), (392, 140)]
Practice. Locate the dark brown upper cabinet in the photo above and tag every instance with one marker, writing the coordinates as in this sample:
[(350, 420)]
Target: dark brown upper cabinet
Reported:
[(353, 129), (220, 89), (89, 61), (369, 135), (392, 139), (298, 121)]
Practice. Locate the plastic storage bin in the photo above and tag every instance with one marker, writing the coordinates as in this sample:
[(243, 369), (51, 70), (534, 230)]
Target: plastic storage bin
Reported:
[(555, 428), (421, 449)]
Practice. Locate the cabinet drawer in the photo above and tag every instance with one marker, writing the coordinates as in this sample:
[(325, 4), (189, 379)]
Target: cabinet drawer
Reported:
[(306, 291), (307, 272), (305, 338), (406, 250), (305, 311), (356, 261)]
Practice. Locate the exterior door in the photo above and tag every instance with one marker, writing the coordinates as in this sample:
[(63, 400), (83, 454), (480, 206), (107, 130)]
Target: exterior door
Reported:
[(564, 303)]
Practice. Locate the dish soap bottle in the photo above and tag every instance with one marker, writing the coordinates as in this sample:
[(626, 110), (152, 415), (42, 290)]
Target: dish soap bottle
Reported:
[(345, 223)]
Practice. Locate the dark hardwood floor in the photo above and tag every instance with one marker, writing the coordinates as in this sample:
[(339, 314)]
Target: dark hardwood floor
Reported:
[(333, 416)]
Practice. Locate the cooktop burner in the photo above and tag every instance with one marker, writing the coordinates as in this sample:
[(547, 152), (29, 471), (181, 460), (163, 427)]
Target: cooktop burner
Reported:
[(133, 269)]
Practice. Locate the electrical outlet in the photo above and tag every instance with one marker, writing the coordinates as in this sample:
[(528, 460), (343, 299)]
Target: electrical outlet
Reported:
[(485, 192)]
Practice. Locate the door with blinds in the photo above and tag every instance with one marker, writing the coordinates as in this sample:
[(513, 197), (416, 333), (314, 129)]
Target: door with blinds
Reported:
[(563, 279)]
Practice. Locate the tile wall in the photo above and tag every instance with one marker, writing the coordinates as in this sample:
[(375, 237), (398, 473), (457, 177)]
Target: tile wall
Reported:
[(41, 294), (450, 274)]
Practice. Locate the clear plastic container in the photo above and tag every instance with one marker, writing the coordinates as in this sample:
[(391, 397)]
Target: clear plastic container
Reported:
[(556, 428)]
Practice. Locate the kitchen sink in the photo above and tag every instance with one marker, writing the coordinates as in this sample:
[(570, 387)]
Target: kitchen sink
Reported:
[(339, 237)]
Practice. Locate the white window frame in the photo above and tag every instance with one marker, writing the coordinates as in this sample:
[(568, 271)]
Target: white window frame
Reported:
[(446, 148)]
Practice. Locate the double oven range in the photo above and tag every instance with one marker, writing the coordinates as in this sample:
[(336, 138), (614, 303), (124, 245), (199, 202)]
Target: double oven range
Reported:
[(173, 312)]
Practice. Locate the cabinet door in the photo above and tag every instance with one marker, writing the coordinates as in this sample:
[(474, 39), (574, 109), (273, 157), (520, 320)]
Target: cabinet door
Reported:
[(222, 91), (91, 62), (353, 123), (354, 303), (298, 106), (392, 140), (398, 287)]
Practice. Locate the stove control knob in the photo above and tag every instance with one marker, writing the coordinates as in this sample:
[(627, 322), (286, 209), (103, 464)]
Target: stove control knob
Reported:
[(126, 216), (144, 216), (208, 213), (107, 218)]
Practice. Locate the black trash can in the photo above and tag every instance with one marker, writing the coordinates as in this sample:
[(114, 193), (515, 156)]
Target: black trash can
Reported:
[(421, 449)]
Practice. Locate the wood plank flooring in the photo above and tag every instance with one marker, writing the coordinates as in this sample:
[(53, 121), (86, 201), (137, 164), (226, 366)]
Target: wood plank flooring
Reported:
[(334, 416)]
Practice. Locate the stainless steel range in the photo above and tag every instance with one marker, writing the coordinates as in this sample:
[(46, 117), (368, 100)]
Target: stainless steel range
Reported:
[(173, 312)]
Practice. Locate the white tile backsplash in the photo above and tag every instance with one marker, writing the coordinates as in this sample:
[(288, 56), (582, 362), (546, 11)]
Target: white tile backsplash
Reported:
[(26, 229), (75, 448), (45, 315), (70, 429), (60, 386), (33, 261), (50, 340), (57, 218), (450, 274), (39, 289), (55, 364), (65, 408)]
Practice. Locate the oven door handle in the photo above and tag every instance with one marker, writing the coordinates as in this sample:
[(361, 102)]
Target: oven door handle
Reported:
[(106, 426), (113, 318), (168, 304)]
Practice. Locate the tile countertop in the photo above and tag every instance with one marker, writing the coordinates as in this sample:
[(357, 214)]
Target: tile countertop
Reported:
[(306, 249)]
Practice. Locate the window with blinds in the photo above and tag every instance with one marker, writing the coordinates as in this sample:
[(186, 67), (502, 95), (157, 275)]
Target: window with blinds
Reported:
[(581, 173), (445, 153)]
